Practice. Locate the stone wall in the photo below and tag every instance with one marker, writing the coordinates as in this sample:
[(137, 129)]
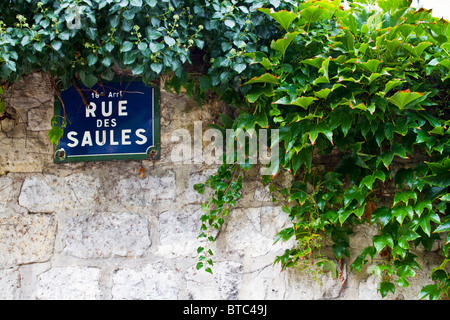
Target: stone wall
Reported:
[(102, 231)]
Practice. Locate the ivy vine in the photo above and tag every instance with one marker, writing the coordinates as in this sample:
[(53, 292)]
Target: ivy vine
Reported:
[(359, 96)]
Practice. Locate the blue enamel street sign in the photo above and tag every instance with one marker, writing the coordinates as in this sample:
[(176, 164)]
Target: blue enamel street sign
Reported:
[(121, 122)]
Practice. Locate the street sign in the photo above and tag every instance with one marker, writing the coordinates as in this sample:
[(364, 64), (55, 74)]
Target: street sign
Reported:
[(121, 122)]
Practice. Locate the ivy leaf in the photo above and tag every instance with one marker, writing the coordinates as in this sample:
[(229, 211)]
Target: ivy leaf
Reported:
[(56, 45), (136, 3), (371, 65), (126, 46), (445, 227), (386, 287), (417, 50), (265, 78), (441, 174), (239, 67), (283, 17), (282, 44), (55, 134), (157, 67), (404, 197), (402, 98), (432, 291), (229, 23), (169, 41), (304, 102), (383, 214), (92, 59), (88, 79), (390, 85), (311, 13), (382, 241)]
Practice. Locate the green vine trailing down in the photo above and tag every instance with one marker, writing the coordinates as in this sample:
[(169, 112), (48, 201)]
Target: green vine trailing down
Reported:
[(359, 96)]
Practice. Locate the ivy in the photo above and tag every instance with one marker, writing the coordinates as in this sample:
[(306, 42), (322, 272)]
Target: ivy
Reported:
[(359, 96), (369, 85)]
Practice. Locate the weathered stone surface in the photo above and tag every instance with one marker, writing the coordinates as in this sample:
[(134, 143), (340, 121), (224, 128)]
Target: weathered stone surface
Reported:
[(39, 119), (224, 284), (303, 286), (26, 239), (179, 231), (134, 192), (28, 153), (49, 193), (264, 282), (9, 191), (155, 281), (252, 231), (9, 284), (192, 196), (106, 235), (70, 283)]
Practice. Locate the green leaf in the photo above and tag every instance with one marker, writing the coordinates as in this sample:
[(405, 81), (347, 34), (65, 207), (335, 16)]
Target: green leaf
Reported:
[(405, 196), (311, 13), (136, 3), (441, 177), (386, 287), (282, 44), (382, 241), (229, 23), (432, 291), (265, 78), (304, 102), (55, 134), (157, 67), (371, 65), (239, 67), (322, 94), (88, 79), (283, 17), (383, 214), (445, 227), (56, 45), (169, 41), (417, 50), (92, 59), (390, 85), (402, 98), (126, 46)]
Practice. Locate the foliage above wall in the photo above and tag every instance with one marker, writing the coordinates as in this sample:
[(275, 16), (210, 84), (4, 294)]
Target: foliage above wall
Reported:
[(365, 87)]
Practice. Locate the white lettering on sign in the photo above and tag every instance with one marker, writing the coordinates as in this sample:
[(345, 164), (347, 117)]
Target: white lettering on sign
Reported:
[(106, 109), (121, 107), (115, 138)]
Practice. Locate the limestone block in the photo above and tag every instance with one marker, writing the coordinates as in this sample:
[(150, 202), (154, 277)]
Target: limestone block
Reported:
[(31, 91), (179, 231), (9, 284), (28, 153), (106, 235), (70, 283), (224, 284), (26, 239), (264, 282), (48, 193), (252, 231), (136, 192), (39, 119), (192, 196), (9, 191), (155, 281)]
